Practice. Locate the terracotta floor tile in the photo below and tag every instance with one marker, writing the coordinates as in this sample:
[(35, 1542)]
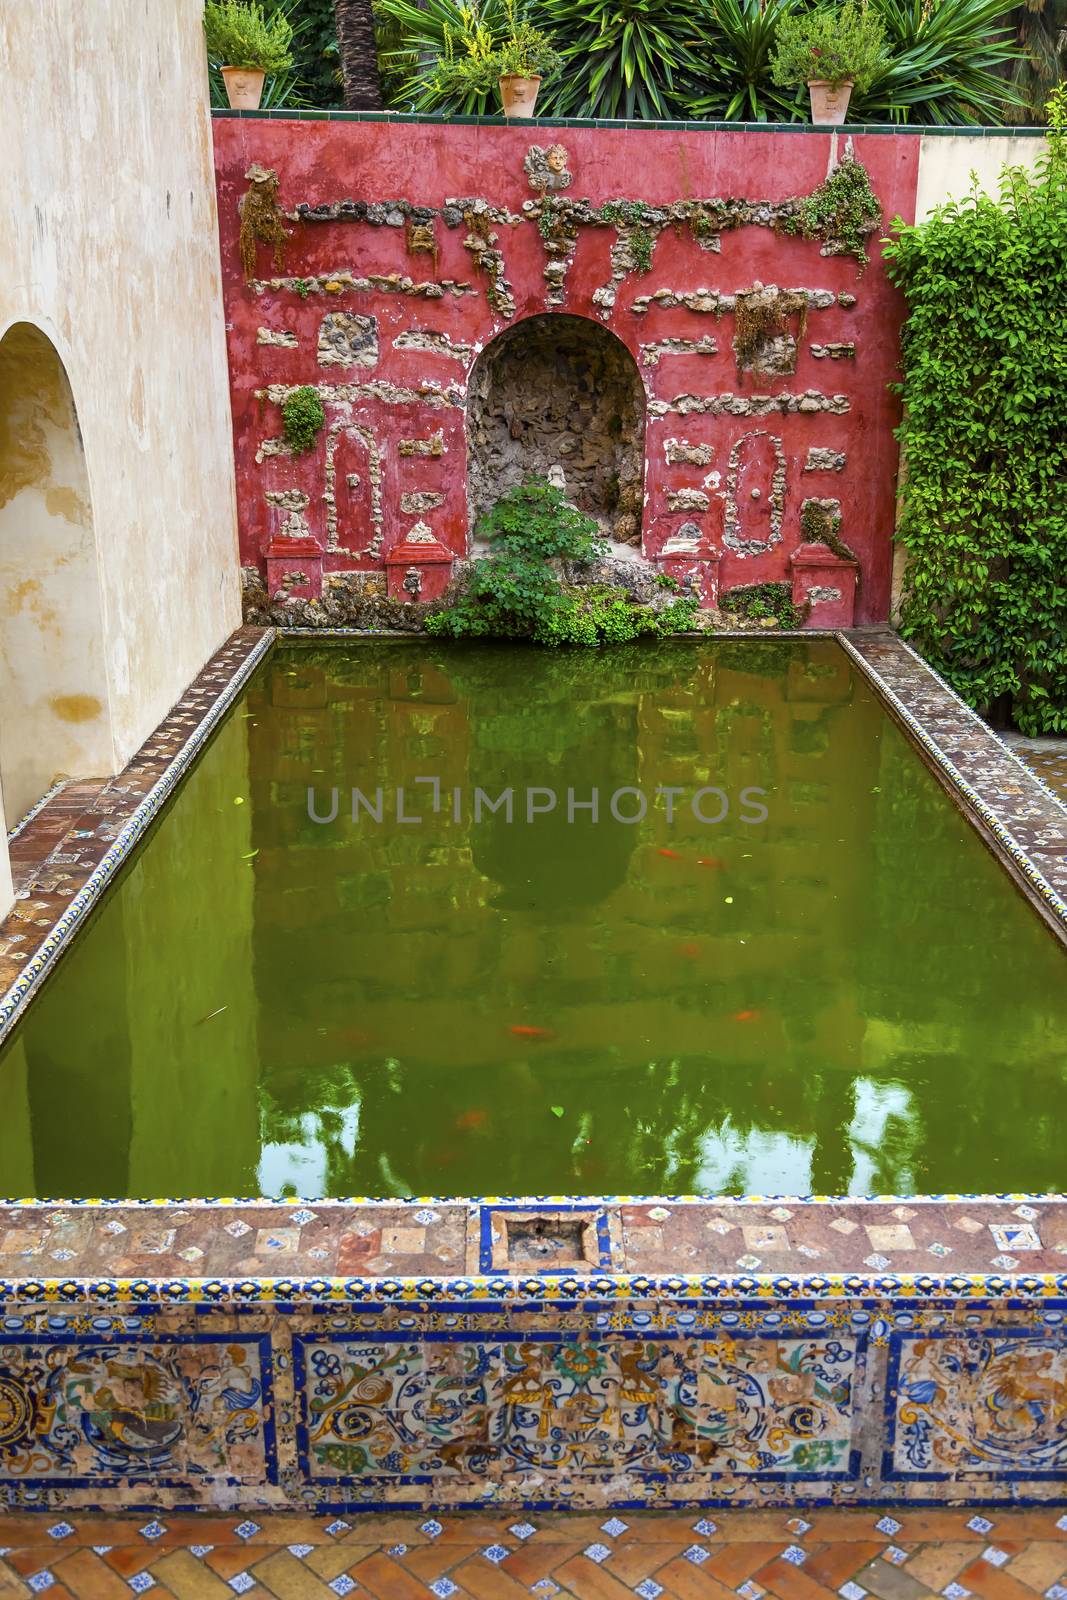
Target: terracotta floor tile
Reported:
[(890, 1582), (485, 1581), (689, 1582), (1039, 1565), (584, 1579), (735, 1562), (430, 1561), (537, 1559), (89, 1575), (938, 1564), (834, 1564), (287, 1577), (189, 1578), (228, 1561), (386, 1579), (983, 1578), (329, 1561), (782, 1578)]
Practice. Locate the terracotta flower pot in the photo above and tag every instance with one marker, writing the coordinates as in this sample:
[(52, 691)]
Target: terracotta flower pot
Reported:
[(519, 96), (244, 87), (829, 101)]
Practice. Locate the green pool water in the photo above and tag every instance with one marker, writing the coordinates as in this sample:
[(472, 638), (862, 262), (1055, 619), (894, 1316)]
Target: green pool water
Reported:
[(845, 996)]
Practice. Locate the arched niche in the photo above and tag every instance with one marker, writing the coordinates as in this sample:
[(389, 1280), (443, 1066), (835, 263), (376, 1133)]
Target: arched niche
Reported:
[(560, 397), (54, 714)]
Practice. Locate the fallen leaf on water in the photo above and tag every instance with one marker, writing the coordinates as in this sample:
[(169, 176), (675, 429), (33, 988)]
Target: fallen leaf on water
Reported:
[(557, 1111), (238, 799), (250, 854), (209, 1016)]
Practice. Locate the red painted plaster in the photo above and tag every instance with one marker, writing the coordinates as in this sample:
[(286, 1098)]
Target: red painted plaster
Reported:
[(327, 161)]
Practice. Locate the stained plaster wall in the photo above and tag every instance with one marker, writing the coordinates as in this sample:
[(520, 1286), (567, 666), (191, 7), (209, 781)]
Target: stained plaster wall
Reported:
[(109, 247), (730, 456)]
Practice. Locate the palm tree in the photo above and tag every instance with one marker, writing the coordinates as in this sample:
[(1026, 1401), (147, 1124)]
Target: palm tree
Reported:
[(359, 55), (1041, 31)]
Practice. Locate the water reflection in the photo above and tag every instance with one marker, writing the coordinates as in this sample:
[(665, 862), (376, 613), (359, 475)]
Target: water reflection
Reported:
[(846, 997)]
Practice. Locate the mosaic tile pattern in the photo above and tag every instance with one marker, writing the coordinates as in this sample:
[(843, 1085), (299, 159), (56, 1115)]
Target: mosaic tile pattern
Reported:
[(586, 1404), (668, 1556), (1046, 758), (355, 1250), (66, 852)]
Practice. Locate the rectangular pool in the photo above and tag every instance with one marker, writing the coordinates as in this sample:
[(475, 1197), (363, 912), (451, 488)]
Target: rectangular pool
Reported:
[(776, 960)]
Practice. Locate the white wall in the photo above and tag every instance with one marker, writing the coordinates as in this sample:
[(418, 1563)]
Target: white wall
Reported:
[(109, 246), (948, 161)]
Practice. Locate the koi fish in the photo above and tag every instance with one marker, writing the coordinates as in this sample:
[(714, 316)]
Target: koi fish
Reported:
[(351, 1036), (671, 854), (711, 861), (690, 951), (522, 1030), (468, 1120), (745, 1016)]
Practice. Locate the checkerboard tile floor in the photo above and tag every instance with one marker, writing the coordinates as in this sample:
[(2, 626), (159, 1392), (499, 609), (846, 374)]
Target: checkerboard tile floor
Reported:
[(902, 1555)]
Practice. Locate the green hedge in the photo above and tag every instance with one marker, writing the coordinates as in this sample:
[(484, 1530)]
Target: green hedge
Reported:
[(984, 459)]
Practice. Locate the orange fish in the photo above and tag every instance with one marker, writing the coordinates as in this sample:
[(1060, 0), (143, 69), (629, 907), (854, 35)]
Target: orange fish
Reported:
[(522, 1030), (710, 861), (468, 1120), (745, 1016), (672, 854), (353, 1036), (690, 951)]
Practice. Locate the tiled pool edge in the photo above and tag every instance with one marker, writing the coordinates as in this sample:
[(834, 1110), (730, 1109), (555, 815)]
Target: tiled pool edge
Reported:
[(364, 1381), (233, 664), (994, 789)]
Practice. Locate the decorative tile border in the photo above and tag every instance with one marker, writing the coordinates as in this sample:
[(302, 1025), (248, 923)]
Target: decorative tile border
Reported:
[(47, 915), (365, 1252)]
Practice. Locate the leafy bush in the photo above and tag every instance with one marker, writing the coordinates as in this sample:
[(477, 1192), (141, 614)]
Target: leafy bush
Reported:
[(832, 43), (238, 34), (302, 418), (984, 499), (418, 36), (517, 592)]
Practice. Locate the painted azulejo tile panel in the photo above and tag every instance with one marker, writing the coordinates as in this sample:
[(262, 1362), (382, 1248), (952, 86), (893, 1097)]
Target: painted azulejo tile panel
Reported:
[(95, 1412), (584, 1404), (991, 1403)]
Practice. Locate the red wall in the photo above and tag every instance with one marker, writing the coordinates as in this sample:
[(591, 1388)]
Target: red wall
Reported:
[(334, 160)]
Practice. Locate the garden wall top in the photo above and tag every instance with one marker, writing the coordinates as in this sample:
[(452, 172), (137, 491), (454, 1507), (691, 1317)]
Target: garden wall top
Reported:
[(949, 131)]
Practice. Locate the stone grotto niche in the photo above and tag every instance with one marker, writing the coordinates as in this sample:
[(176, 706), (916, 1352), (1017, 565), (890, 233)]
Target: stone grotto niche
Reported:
[(560, 397)]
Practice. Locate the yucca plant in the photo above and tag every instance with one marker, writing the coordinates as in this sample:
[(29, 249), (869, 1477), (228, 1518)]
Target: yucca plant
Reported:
[(942, 63), (735, 79), (417, 36), (624, 59)]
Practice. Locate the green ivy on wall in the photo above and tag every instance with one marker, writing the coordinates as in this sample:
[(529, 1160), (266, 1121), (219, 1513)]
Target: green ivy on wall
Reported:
[(984, 437)]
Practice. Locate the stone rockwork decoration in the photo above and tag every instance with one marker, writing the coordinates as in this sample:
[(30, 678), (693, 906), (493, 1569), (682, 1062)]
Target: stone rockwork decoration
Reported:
[(609, 310)]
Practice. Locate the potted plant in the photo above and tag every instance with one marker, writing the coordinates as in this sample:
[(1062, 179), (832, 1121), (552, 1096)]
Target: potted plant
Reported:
[(247, 45), (832, 49), (517, 64)]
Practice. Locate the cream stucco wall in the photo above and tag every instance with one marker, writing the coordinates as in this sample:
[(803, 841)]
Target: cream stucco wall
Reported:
[(109, 246), (947, 162)]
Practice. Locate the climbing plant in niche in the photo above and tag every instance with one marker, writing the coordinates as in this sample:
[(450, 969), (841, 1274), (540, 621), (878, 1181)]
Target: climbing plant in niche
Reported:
[(984, 498)]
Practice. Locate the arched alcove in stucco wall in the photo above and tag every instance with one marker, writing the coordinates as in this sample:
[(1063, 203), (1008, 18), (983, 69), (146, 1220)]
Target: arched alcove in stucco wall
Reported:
[(54, 714), (561, 397)]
